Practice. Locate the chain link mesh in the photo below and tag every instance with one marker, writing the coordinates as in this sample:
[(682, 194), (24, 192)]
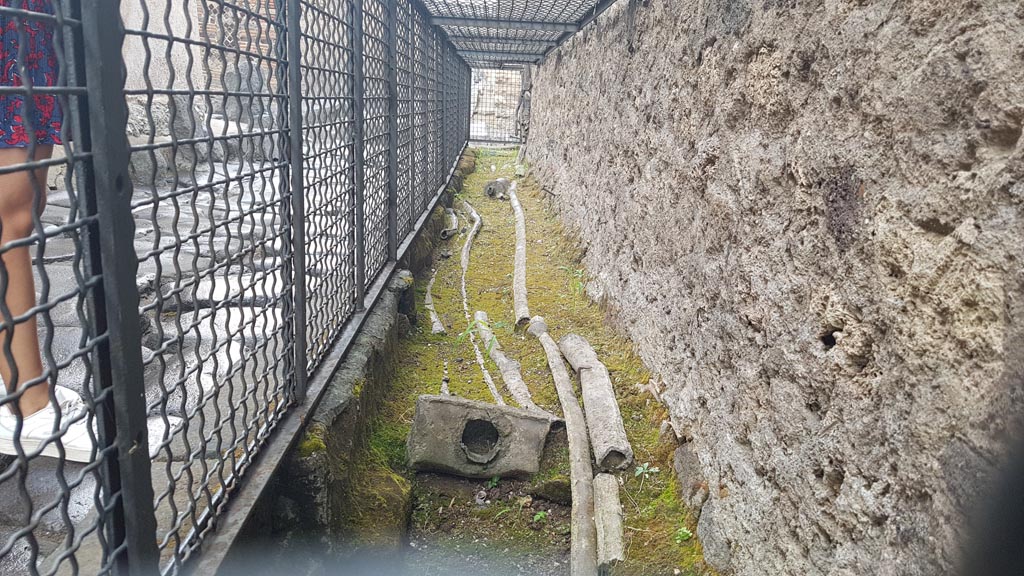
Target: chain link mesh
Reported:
[(210, 158), (496, 96), (46, 499), (207, 89), (521, 10)]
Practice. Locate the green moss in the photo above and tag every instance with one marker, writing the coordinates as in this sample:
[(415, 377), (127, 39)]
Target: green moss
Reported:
[(387, 444), (385, 499), (313, 442), (558, 489)]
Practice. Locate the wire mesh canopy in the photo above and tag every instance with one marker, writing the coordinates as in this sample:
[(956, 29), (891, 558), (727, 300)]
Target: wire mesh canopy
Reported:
[(495, 33)]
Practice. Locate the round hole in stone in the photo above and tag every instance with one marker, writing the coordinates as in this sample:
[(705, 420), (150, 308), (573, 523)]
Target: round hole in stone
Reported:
[(614, 459), (829, 339), (480, 438)]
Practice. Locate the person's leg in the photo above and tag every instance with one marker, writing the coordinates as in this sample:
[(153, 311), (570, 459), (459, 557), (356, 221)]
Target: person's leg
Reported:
[(17, 191)]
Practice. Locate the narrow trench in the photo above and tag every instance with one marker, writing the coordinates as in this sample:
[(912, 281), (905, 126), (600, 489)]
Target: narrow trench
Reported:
[(506, 526)]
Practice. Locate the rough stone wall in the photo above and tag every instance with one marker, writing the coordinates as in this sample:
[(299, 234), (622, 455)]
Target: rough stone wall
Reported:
[(807, 214)]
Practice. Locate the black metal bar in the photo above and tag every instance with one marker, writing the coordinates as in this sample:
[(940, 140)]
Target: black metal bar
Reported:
[(359, 152), (494, 141), (501, 65), (468, 101), (500, 40), (120, 356), (298, 205), (413, 45), (392, 48), (506, 24), (502, 56), (441, 58), (597, 11)]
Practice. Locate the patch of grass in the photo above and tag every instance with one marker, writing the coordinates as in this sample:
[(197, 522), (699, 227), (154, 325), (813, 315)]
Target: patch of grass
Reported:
[(576, 279), (387, 444)]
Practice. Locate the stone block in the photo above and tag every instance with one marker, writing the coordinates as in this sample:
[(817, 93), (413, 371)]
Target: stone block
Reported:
[(497, 188), (475, 439), (717, 551), (692, 486)]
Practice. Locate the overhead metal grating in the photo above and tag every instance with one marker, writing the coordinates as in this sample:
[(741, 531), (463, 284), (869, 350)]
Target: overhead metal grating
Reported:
[(509, 33)]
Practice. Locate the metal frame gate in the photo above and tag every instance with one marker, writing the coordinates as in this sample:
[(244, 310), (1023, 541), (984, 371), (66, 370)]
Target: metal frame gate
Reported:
[(236, 181), (494, 105)]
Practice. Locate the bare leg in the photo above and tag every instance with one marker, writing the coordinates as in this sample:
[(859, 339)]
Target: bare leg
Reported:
[(16, 221)]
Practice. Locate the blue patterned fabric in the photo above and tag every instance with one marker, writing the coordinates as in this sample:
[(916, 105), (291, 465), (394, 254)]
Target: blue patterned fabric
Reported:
[(37, 65)]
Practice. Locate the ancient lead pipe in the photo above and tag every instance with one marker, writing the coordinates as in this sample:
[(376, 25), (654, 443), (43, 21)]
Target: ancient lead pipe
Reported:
[(583, 532), (519, 302), (510, 369), (612, 450), (436, 326), (453, 226), (608, 519), (466, 248)]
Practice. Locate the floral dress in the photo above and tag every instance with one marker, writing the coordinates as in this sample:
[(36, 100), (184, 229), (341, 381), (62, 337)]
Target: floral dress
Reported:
[(35, 64)]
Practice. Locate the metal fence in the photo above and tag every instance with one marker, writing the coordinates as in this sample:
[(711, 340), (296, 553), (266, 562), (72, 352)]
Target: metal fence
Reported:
[(494, 107), (226, 184)]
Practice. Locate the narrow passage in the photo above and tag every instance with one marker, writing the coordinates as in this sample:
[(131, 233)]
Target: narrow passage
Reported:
[(505, 526)]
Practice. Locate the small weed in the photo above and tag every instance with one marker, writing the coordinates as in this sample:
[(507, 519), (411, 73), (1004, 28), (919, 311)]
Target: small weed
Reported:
[(475, 326), (576, 276), (465, 333), (523, 502), (493, 483), (540, 517), (643, 472), (683, 534)]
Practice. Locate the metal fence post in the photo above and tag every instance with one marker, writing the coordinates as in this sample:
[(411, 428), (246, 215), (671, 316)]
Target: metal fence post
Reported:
[(442, 116), (432, 127), (414, 82), (392, 44), (293, 46), (359, 152), (119, 357), (469, 101)]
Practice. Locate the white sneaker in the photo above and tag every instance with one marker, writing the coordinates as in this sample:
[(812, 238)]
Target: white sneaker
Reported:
[(78, 445), (38, 429)]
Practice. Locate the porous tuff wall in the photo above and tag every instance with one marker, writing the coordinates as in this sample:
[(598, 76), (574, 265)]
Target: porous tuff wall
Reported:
[(808, 217)]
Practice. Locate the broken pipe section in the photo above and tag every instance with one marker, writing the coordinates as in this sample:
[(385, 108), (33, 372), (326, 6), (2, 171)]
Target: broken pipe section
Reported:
[(475, 439)]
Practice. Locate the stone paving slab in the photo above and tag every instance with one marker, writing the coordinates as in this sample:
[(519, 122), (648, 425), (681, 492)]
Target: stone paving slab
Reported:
[(212, 355), (59, 498)]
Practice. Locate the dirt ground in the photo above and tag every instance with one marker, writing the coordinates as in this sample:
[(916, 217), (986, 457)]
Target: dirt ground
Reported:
[(520, 526)]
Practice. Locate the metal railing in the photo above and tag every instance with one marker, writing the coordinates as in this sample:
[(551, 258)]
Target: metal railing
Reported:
[(504, 34), (494, 106), (229, 186)]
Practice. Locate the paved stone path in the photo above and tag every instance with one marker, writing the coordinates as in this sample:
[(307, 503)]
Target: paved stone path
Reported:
[(212, 323)]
